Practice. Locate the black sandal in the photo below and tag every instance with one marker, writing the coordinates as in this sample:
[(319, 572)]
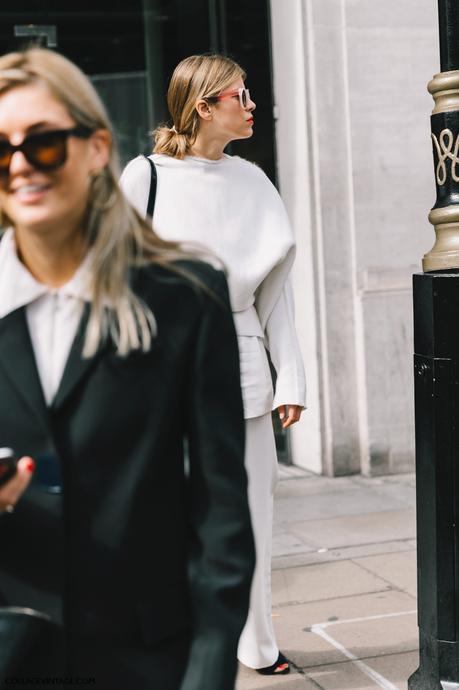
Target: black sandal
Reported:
[(274, 669)]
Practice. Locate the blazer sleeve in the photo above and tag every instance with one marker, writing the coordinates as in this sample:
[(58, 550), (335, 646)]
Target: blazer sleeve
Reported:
[(222, 550), (282, 342)]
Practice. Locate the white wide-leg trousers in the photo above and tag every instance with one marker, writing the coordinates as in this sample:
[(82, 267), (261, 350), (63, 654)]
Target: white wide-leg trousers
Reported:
[(257, 645)]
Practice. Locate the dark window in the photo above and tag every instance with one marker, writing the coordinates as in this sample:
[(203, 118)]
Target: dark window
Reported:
[(131, 49)]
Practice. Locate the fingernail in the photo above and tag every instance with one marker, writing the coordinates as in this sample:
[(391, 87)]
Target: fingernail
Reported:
[(30, 465)]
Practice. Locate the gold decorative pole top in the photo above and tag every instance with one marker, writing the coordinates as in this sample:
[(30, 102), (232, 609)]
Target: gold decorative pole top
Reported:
[(444, 255), (444, 87)]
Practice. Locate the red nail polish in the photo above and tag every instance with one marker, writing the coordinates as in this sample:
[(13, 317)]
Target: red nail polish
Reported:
[(30, 465)]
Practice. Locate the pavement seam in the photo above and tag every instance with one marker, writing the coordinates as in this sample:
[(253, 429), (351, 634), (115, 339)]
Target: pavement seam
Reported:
[(291, 527), (325, 664), (380, 656), (402, 478), (311, 669), (383, 579), (360, 619), (345, 558), (303, 673), (314, 682), (295, 602)]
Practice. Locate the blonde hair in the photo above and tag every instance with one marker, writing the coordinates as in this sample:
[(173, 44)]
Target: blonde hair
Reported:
[(196, 77), (117, 236)]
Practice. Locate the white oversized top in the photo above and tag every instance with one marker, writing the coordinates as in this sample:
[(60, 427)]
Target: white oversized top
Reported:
[(230, 207)]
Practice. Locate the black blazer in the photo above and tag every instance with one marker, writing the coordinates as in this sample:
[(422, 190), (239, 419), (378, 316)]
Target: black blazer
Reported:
[(137, 549)]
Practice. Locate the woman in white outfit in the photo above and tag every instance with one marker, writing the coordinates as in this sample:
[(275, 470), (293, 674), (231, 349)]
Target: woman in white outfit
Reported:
[(229, 205)]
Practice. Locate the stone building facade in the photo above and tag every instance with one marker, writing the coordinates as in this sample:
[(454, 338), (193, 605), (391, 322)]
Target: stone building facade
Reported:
[(348, 142), (355, 170)]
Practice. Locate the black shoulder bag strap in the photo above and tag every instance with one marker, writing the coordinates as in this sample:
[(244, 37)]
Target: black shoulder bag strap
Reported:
[(152, 192)]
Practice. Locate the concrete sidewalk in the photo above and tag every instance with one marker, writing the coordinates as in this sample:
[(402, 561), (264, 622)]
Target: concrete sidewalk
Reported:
[(344, 583)]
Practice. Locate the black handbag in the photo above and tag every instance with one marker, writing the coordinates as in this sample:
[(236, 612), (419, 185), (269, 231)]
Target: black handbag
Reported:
[(31, 645)]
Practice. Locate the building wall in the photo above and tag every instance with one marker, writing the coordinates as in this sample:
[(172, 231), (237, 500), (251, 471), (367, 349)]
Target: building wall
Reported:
[(293, 148), (355, 171)]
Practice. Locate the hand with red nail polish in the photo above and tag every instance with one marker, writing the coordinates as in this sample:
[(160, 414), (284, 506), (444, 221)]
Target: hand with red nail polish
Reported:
[(12, 491)]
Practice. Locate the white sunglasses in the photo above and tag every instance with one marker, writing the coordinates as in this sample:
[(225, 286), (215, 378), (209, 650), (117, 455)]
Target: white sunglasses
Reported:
[(242, 94)]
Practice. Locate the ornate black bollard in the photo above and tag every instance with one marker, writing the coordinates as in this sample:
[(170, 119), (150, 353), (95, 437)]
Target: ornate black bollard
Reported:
[(436, 371)]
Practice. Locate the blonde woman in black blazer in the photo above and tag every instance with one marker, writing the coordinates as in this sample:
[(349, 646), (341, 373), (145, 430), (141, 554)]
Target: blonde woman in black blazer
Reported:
[(116, 351)]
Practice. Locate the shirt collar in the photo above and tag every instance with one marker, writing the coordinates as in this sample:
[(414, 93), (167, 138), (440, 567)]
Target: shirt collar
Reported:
[(18, 287)]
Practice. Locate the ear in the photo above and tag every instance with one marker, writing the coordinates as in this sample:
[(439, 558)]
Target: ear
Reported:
[(100, 143), (203, 109)]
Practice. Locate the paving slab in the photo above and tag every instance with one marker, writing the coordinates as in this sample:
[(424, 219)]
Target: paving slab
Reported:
[(404, 493), (399, 569), (397, 668), (314, 484), (357, 529), (344, 583), (248, 679), (293, 623), (382, 635), (323, 581), (403, 478), (344, 676), (352, 501)]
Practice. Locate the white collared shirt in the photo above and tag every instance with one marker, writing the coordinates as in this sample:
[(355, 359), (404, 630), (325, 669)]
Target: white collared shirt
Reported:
[(52, 314)]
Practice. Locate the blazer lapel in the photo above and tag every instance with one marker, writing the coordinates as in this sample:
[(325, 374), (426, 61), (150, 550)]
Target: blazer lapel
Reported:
[(76, 367), (17, 362)]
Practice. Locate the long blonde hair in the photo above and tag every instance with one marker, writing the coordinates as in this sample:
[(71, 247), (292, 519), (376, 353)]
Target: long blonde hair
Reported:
[(196, 77), (117, 236)]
